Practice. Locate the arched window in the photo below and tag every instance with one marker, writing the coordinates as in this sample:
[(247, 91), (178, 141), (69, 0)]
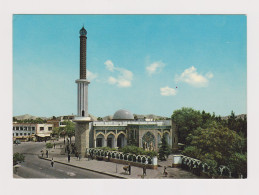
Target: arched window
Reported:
[(83, 113)]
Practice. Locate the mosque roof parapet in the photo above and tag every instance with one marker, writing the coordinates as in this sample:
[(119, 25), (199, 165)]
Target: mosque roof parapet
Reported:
[(126, 123)]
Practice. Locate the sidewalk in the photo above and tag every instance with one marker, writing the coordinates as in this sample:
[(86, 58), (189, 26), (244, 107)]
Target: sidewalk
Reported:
[(116, 170)]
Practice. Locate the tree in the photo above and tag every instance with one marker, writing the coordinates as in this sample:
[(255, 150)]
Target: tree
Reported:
[(56, 131), (187, 120), (216, 145), (17, 157), (62, 132), (164, 149), (100, 119), (69, 129), (238, 164)]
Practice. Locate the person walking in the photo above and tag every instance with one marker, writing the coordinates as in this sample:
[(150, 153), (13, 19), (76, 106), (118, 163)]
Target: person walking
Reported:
[(47, 153), (144, 170), (42, 153), (165, 173), (68, 157), (54, 145), (52, 162), (79, 156)]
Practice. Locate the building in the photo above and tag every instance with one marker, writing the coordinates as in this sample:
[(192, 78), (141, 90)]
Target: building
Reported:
[(123, 130), (44, 131), (31, 131), (24, 131)]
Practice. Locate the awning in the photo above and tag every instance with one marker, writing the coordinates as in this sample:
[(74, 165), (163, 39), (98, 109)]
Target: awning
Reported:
[(43, 135)]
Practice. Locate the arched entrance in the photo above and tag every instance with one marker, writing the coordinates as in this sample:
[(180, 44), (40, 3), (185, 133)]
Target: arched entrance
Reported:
[(149, 141), (111, 141), (121, 141), (167, 138), (99, 141), (158, 138)]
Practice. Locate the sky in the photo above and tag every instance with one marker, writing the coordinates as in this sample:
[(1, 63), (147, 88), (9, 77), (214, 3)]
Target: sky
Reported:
[(147, 64)]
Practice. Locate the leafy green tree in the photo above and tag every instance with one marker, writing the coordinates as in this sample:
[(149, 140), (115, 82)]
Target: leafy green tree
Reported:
[(164, 149), (69, 129), (187, 120), (17, 157), (49, 145), (100, 119), (238, 164), (56, 131), (62, 132), (216, 145)]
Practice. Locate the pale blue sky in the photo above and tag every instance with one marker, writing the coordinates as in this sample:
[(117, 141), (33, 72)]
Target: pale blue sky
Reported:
[(136, 63)]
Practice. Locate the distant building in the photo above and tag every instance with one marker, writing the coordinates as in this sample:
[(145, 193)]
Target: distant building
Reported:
[(43, 131), (54, 122), (65, 118), (24, 131)]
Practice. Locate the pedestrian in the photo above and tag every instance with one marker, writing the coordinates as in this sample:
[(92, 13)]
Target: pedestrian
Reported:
[(52, 162), (68, 157), (47, 153), (79, 156), (129, 169), (164, 169), (165, 173), (42, 153), (64, 142), (54, 145), (76, 154), (144, 170)]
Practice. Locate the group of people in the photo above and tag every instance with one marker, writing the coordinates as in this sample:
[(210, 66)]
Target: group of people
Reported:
[(71, 149), (42, 153)]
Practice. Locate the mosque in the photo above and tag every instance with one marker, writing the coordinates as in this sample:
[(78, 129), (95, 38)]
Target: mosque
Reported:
[(123, 129)]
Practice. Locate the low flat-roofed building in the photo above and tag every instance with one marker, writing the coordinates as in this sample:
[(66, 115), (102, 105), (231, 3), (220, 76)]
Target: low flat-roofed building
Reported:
[(24, 131), (44, 131)]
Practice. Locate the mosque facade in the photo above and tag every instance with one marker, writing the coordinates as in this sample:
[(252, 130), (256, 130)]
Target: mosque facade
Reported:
[(123, 129)]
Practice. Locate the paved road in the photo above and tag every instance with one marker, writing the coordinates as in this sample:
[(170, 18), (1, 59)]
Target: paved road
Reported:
[(33, 167)]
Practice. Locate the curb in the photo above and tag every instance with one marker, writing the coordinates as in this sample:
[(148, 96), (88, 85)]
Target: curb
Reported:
[(105, 173)]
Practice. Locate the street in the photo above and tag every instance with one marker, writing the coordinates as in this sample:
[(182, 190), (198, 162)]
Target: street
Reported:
[(33, 167)]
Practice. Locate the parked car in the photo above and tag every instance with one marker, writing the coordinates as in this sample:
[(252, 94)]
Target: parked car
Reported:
[(17, 142)]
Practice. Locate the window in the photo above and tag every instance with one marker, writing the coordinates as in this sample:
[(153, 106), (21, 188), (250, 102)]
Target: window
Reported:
[(21, 128), (41, 128), (25, 128), (20, 133), (17, 134), (13, 128), (17, 128), (13, 134), (24, 133), (49, 128), (33, 128), (29, 128), (29, 134)]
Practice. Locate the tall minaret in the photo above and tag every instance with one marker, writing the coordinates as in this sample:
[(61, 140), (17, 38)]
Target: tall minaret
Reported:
[(82, 120), (82, 83)]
